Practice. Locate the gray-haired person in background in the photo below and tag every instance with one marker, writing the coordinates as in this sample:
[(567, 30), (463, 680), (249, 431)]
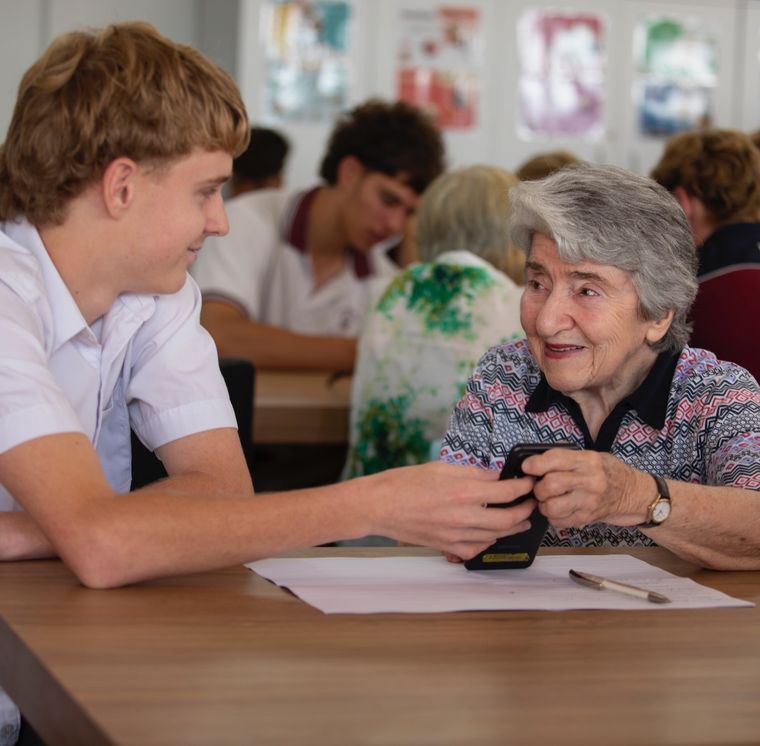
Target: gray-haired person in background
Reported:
[(670, 434), (433, 321)]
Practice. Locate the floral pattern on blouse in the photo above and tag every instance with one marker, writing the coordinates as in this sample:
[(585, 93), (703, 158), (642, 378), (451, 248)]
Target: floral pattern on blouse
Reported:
[(418, 346)]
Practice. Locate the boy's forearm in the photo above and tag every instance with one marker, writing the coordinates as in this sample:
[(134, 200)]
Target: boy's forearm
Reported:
[(21, 538), (271, 348), (274, 348)]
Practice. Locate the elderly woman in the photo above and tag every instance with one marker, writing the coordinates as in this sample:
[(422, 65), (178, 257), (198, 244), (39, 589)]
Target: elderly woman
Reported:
[(671, 435), (421, 340)]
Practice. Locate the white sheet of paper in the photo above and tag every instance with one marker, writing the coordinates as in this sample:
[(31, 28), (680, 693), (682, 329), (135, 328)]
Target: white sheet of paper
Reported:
[(366, 585)]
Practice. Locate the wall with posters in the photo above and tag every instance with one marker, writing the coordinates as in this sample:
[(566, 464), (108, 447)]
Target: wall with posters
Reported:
[(606, 79)]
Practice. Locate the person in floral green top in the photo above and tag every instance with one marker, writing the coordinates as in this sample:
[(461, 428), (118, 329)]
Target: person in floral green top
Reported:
[(431, 324)]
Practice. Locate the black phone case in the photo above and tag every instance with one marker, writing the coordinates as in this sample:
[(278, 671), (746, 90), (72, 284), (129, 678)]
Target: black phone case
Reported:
[(519, 550)]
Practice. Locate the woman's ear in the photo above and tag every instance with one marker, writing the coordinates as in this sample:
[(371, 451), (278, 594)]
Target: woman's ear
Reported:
[(118, 186), (659, 328)]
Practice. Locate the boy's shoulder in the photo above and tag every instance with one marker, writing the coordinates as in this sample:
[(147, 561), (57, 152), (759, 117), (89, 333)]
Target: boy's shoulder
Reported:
[(19, 268)]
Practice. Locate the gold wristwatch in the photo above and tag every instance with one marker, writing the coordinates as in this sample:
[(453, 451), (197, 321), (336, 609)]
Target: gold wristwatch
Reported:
[(659, 509)]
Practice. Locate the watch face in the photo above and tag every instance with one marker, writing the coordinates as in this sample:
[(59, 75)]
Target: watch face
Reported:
[(660, 511)]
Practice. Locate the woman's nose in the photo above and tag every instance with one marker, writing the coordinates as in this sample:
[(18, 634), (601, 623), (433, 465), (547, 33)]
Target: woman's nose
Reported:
[(554, 315)]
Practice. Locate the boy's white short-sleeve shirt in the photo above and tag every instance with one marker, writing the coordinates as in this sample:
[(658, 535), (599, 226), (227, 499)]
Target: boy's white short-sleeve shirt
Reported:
[(146, 364), (263, 268)]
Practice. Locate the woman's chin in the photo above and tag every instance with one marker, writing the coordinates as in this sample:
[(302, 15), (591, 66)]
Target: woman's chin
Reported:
[(564, 382)]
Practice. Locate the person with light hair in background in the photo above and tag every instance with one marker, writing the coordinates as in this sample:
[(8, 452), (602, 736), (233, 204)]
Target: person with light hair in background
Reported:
[(431, 324), (669, 435), (715, 176)]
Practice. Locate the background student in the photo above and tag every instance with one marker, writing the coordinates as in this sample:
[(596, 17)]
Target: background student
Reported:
[(544, 164), (287, 287), (262, 164), (715, 176)]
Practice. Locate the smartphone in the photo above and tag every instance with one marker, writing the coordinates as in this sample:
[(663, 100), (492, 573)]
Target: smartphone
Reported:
[(519, 550)]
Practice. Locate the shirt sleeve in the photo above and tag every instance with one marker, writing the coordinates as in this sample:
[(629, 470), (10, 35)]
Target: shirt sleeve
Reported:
[(730, 428), (176, 388), (234, 268), (31, 402)]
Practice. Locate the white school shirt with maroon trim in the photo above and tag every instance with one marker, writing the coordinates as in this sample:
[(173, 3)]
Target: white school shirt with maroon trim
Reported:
[(263, 268)]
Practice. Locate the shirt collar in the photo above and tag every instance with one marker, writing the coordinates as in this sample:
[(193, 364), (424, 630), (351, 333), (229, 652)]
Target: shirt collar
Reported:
[(296, 226), (650, 399), (67, 320)]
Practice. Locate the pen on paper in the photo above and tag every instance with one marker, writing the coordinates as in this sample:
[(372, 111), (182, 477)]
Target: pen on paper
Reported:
[(604, 584)]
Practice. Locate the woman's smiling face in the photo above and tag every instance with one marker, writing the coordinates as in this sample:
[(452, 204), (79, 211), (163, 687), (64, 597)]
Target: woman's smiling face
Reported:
[(583, 324)]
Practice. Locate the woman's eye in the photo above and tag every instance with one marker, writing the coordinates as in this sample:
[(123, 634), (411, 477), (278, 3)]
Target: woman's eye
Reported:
[(588, 292)]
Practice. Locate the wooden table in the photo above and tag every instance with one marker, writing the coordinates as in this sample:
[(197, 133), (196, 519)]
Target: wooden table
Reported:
[(297, 407), (227, 658)]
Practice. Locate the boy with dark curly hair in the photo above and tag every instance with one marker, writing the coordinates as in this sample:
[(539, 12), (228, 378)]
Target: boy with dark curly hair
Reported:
[(287, 287)]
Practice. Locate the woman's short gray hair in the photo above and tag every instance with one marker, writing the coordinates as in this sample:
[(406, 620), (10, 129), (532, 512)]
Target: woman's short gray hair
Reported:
[(608, 215), (466, 209)]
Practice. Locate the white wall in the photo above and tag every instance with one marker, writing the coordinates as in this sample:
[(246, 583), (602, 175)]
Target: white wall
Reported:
[(20, 43), (228, 31), (27, 26)]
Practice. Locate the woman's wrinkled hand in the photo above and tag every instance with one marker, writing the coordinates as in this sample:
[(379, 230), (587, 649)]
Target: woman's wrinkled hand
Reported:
[(577, 488)]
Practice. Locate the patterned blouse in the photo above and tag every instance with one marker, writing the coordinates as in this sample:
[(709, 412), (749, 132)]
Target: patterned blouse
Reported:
[(417, 349), (694, 419)]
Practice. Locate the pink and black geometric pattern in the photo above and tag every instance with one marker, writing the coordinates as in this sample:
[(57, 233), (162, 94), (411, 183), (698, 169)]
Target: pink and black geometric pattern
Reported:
[(711, 433)]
